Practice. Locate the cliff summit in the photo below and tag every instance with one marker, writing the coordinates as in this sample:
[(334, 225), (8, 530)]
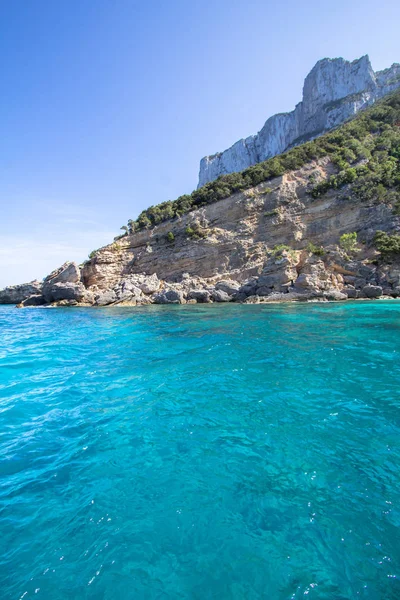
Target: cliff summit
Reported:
[(334, 90)]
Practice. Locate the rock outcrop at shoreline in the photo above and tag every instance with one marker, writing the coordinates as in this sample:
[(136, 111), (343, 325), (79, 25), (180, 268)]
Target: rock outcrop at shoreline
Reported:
[(334, 90), (14, 294)]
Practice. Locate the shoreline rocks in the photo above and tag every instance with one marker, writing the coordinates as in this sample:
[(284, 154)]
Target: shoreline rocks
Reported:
[(15, 294), (287, 277)]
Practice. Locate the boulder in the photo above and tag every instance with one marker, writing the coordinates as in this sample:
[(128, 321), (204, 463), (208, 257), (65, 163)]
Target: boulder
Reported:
[(36, 300), (304, 282), (150, 285), (396, 291), (220, 296), (169, 297), (334, 295), (105, 298), (394, 275), (228, 286), (387, 291), (123, 296), (240, 297), (15, 294), (202, 296), (366, 271), (127, 286), (264, 291), (359, 283), (68, 273), (64, 291), (282, 297), (278, 272), (144, 300), (350, 291), (372, 291), (349, 279), (247, 289), (314, 277)]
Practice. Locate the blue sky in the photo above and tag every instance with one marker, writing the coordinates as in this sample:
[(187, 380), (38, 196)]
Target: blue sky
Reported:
[(107, 106)]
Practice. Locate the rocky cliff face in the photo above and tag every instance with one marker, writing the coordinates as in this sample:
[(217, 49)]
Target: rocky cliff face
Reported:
[(333, 91), (272, 233), (251, 247), (237, 240)]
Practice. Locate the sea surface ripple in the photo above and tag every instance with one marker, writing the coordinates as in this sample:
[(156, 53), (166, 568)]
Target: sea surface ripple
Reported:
[(200, 452)]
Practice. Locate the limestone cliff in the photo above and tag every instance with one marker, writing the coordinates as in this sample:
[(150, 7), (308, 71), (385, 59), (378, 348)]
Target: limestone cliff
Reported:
[(273, 232), (333, 91), (237, 238), (257, 245)]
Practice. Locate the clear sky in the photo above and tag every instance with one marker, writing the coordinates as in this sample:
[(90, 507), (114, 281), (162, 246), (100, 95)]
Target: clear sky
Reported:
[(107, 106)]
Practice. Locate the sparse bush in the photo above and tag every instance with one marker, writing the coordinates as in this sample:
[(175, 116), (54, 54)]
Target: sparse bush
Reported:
[(317, 250), (277, 250), (386, 244), (195, 232), (170, 237), (348, 242), (131, 226)]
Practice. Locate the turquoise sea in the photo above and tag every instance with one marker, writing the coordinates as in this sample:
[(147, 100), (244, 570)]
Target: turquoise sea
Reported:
[(200, 452)]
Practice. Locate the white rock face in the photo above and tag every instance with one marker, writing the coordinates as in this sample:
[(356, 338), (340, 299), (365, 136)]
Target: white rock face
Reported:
[(334, 90)]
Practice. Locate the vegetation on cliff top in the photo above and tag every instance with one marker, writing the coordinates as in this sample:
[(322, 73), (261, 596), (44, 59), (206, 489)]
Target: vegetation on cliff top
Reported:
[(365, 150)]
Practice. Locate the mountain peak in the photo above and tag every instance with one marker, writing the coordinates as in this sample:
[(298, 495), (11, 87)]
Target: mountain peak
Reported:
[(334, 90)]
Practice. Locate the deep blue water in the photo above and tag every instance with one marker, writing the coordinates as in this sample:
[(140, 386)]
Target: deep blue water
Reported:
[(201, 452)]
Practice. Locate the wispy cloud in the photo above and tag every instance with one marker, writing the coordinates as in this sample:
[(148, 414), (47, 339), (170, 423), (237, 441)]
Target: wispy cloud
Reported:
[(24, 258)]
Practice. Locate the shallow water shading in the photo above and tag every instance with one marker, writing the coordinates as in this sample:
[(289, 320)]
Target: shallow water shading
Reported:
[(201, 452)]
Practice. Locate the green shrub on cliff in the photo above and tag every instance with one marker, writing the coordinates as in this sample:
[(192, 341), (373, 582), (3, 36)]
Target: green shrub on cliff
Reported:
[(386, 244), (348, 242), (317, 250), (131, 226), (277, 250), (195, 232)]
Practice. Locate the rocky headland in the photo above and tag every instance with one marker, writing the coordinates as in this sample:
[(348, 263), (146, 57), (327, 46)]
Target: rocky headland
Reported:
[(273, 242), (320, 222)]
